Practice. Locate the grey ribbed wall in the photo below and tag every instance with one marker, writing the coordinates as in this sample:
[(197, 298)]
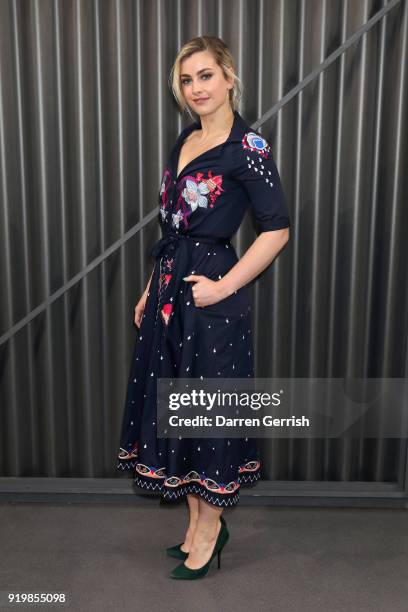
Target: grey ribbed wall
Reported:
[(86, 123)]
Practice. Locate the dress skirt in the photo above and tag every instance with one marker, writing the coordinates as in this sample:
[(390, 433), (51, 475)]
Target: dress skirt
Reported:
[(176, 339)]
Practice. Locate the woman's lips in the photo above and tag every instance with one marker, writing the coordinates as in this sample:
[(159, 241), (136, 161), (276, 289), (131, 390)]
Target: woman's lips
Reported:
[(201, 100)]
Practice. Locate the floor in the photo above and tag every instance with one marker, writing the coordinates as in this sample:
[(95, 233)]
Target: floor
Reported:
[(110, 557)]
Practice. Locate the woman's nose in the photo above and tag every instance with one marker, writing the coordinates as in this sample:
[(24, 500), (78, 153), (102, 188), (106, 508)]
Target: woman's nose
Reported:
[(196, 88)]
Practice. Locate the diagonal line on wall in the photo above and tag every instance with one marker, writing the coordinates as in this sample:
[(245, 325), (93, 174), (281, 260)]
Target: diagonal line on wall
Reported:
[(152, 215)]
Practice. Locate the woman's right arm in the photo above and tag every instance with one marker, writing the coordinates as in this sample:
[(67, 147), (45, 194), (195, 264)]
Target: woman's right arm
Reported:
[(148, 284), (140, 306)]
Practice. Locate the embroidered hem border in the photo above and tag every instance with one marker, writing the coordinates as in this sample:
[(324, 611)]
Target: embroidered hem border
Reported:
[(175, 493)]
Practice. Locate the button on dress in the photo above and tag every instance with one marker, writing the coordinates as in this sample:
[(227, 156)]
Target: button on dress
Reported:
[(199, 212)]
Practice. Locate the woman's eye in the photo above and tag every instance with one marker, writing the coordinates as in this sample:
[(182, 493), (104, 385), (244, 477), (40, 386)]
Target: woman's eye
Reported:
[(185, 81)]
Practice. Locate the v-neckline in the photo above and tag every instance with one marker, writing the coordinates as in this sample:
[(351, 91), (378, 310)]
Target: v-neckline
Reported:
[(197, 126)]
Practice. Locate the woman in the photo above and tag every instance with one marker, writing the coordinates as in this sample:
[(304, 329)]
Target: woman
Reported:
[(194, 315)]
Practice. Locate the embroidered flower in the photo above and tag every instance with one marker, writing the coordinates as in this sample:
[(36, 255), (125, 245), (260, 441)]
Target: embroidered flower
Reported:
[(213, 183), (255, 142), (176, 218), (199, 191), (163, 195), (194, 194), (258, 156), (166, 181)]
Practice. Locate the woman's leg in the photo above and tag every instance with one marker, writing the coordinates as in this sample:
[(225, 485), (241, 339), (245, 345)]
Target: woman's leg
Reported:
[(193, 512), (205, 535)]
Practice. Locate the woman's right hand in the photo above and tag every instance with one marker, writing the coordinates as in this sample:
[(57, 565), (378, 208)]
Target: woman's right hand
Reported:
[(139, 309)]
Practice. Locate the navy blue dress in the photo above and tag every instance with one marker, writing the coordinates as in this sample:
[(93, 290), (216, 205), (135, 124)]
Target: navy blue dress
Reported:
[(199, 212)]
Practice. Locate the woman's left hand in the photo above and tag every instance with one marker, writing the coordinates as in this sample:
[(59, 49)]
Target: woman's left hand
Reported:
[(205, 291)]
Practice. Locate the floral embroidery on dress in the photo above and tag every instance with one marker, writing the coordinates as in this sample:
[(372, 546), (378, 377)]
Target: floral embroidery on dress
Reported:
[(199, 192), (163, 195), (257, 146), (194, 194), (165, 276), (176, 218), (254, 142)]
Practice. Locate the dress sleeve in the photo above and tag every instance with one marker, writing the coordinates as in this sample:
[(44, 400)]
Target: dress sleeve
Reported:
[(255, 169)]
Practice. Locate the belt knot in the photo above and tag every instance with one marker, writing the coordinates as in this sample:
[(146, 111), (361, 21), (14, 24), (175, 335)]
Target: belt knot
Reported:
[(167, 242)]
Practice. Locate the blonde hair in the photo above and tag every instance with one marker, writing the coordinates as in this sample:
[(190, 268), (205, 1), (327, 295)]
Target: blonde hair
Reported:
[(222, 55)]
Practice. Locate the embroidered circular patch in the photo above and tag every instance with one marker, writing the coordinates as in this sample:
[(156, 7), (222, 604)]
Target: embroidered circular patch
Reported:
[(256, 143)]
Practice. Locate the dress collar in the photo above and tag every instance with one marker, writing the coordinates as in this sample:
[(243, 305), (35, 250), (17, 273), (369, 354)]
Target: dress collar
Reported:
[(238, 129), (239, 126)]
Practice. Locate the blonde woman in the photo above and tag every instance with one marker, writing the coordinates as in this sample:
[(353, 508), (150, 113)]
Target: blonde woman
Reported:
[(194, 315)]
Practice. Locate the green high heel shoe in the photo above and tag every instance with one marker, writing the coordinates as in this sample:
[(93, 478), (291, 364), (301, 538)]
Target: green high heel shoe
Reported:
[(183, 572), (177, 553)]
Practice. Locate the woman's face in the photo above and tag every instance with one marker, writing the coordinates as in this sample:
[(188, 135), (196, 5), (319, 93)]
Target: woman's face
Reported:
[(203, 84)]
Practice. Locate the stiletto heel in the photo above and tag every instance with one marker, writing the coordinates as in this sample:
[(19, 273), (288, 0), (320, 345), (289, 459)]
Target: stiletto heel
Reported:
[(185, 573)]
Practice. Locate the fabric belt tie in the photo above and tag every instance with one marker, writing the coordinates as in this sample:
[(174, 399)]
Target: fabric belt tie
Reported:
[(179, 245), (170, 241)]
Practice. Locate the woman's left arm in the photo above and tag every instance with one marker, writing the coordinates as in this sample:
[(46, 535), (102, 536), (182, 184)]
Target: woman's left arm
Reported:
[(259, 178), (259, 256)]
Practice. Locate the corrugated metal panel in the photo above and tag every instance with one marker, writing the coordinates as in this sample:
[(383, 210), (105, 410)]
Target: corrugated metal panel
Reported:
[(86, 124)]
